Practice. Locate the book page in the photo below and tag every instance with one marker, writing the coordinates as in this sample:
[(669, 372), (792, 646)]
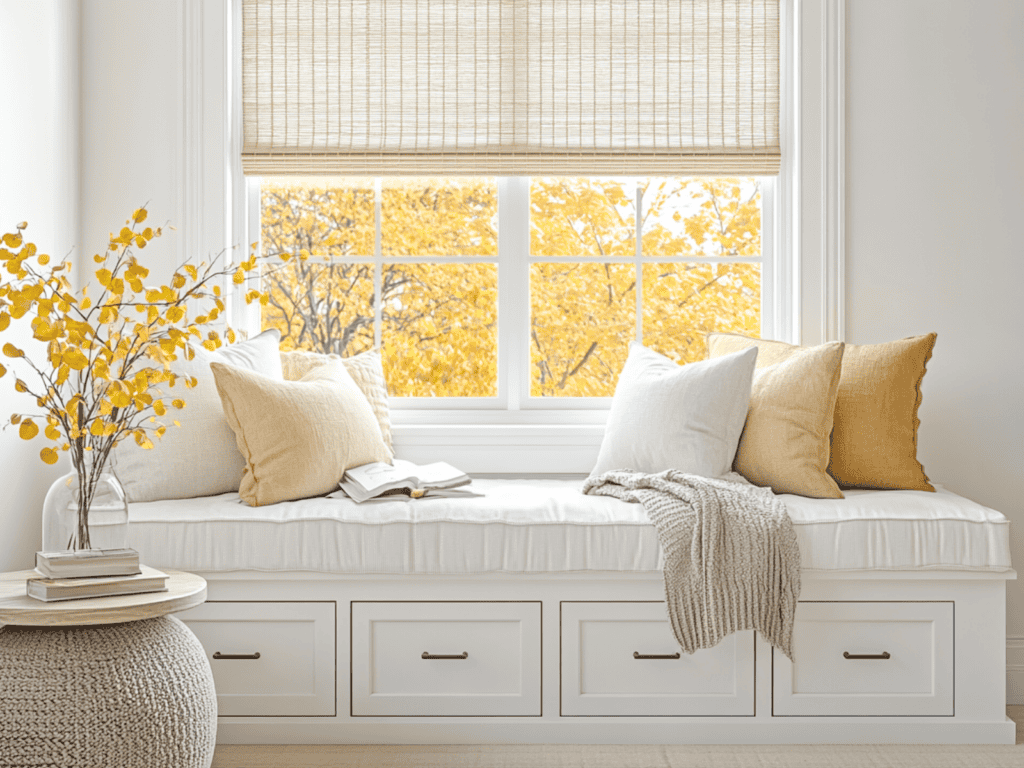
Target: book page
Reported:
[(438, 472), (379, 474)]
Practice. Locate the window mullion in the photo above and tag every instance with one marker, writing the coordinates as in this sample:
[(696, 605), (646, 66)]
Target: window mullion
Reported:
[(247, 316), (378, 269), (513, 290), (639, 266), (773, 302)]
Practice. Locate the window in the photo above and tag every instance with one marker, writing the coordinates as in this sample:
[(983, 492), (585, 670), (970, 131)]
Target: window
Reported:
[(409, 265), (663, 261), (509, 292), (575, 268)]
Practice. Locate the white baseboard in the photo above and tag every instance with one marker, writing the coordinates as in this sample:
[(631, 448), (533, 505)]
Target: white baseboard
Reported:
[(1015, 670), (622, 730)]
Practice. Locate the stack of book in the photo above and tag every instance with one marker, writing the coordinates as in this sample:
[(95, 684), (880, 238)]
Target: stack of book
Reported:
[(92, 573)]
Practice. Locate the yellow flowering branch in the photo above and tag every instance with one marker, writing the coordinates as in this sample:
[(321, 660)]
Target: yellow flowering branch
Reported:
[(102, 378)]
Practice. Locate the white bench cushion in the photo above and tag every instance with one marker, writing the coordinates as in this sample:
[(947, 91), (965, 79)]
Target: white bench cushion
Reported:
[(545, 526)]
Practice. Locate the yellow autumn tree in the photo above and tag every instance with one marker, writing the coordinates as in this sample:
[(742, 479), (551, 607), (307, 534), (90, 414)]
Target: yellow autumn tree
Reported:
[(439, 321), (583, 314)]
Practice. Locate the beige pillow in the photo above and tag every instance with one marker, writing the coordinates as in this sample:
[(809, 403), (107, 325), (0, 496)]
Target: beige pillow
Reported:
[(365, 369), (874, 433), (297, 437), (785, 442), (199, 458)]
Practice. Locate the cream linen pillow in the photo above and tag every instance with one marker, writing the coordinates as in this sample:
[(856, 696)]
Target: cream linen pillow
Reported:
[(670, 416), (365, 369), (785, 443), (199, 458), (297, 437), (874, 433)]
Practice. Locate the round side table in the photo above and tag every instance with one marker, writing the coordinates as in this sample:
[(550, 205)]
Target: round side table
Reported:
[(104, 681)]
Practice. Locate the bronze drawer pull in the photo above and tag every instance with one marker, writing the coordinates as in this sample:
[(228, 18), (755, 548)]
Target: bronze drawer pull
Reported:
[(638, 655), (427, 655), (882, 655), (219, 655)]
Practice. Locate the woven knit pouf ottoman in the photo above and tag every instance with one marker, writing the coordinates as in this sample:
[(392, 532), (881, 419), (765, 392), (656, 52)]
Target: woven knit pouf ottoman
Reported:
[(133, 695)]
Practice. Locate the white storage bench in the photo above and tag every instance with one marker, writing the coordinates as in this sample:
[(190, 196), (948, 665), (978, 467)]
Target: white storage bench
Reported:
[(535, 614)]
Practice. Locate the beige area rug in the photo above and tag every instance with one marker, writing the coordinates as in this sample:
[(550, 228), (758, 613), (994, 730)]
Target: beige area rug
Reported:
[(574, 756)]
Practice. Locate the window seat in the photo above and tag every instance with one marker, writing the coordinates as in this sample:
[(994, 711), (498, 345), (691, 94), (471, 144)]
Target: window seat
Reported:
[(546, 526), (535, 614)]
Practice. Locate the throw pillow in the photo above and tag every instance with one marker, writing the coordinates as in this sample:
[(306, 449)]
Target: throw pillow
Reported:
[(670, 416), (297, 437), (365, 369), (785, 443), (200, 457), (874, 434)]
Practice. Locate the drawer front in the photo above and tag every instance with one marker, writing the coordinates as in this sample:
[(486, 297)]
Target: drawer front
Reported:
[(295, 673), (439, 658), (867, 659), (601, 674)]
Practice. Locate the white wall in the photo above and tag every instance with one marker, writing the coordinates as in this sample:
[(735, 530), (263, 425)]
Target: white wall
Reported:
[(935, 186), (38, 183), (935, 200), (131, 123), (152, 135)]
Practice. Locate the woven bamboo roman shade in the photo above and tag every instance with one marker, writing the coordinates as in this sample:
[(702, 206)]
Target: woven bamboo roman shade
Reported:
[(510, 87)]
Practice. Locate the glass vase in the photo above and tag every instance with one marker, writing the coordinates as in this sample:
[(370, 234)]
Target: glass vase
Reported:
[(101, 522)]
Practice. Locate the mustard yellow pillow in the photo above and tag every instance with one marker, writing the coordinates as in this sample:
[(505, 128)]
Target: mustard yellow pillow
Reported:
[(785, 442), (874, 433), (297, 437), (366, 371), (874, 444)]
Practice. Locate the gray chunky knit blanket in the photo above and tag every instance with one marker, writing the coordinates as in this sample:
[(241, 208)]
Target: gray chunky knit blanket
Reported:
[(731, 559)]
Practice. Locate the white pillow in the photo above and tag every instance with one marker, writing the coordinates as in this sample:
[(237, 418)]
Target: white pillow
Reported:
[(201, 457), (670, 416)]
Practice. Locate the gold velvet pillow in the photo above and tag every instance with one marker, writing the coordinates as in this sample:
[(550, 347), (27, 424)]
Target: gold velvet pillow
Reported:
[(874, 433), (366, 371), (785, 442), (297, 437)]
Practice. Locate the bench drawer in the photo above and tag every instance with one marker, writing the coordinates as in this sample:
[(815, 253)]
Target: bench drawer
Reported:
[(295, 672), (602, 674), (441, 658), (864, 658)]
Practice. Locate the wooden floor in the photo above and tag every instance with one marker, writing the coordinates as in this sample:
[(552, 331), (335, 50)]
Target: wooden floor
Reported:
[(573, 756)]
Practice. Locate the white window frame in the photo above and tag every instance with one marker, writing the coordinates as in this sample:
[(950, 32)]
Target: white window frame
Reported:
[(513, 403)]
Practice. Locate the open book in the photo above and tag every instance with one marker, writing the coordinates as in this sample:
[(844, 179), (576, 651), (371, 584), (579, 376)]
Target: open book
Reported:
[(403, 477)]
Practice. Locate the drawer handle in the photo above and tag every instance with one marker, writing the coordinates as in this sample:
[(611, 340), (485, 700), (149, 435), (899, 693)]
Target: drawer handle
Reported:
[(638, 655), (463, 655), (219, 655), (882, 655)]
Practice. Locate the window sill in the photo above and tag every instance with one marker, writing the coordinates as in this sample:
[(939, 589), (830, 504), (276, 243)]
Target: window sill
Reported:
[(536, 449)]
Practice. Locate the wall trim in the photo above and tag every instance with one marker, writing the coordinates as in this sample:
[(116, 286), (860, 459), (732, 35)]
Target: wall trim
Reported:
[(242, 230), (833, 167), (67, 218), (192, 164), (785, 229)]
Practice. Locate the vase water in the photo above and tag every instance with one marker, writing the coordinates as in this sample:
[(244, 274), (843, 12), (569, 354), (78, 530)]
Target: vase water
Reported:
[(100, 521)]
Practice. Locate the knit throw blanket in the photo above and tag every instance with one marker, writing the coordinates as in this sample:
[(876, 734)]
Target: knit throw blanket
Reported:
[(731, 559)]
